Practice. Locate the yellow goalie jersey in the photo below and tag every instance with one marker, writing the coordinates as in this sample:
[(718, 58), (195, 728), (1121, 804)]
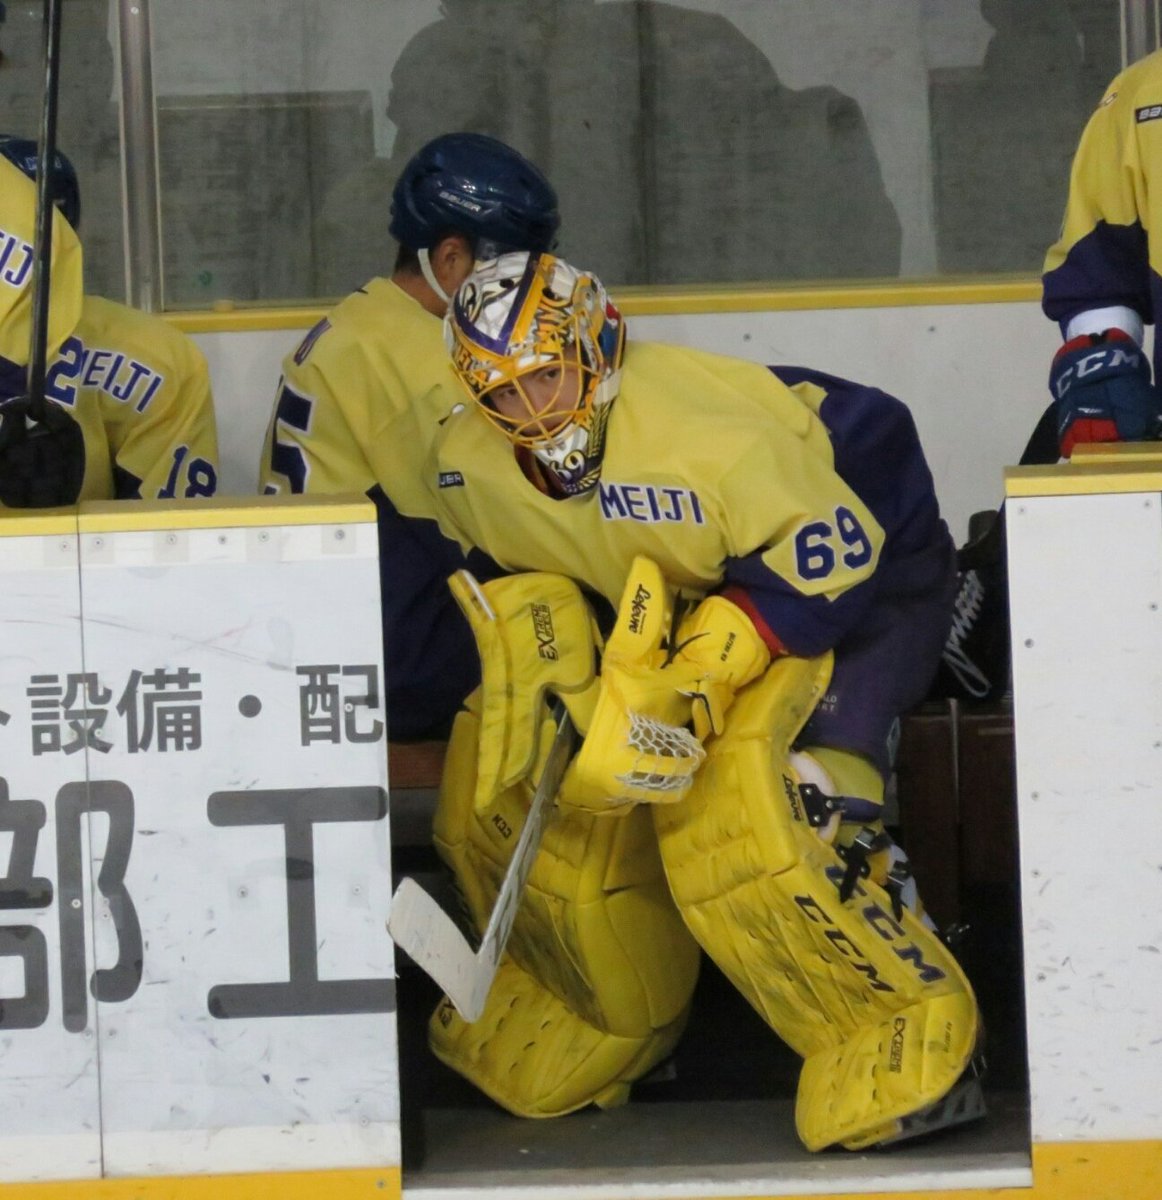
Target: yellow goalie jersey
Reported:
[(17, 234), (1106, 269), (714, 468), (140, 391)]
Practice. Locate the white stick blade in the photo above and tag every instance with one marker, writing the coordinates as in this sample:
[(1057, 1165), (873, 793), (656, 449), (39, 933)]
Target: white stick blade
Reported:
[(421, 928)]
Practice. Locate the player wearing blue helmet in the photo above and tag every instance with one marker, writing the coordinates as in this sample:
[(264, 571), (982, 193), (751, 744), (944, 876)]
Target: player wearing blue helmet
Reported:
[(362, 396), (474, 185), (64, 190), (138, 388)]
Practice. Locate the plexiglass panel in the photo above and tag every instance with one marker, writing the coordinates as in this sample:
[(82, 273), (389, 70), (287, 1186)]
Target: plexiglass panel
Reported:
[(87, 121), (706, 141)]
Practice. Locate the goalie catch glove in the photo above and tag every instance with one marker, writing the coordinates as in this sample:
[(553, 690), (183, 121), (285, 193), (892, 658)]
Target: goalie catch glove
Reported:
[(636, 749), (42, 463), (1102, 391)]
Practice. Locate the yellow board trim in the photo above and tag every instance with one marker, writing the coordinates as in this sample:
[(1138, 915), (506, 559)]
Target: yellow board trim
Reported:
[(362, 1184), (1129, 1170), (1083, 478), (1061, 1171), (121, 516), (1065, 1171), (1118, 452), (229, 317), (41, 522)]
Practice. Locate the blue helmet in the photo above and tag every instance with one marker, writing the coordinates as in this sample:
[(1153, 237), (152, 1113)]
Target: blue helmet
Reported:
[(64, 190), (475, 185)]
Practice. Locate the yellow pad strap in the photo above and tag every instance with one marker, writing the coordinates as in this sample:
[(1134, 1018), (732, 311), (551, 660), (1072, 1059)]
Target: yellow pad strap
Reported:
[(758, 888), (851, 774), (534, 632)]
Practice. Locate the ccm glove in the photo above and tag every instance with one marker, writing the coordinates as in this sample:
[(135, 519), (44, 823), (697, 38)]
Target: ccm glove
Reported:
[(1101, 385)]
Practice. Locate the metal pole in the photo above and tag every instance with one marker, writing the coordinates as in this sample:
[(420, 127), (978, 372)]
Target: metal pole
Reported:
[(1136, 39), (139, 176)]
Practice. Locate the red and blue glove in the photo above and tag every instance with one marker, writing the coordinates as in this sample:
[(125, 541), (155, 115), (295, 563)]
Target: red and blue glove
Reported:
[(1102, 391)]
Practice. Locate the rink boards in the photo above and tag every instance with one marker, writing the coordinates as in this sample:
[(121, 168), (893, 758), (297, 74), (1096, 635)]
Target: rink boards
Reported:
[(193, 793), (198, 997)]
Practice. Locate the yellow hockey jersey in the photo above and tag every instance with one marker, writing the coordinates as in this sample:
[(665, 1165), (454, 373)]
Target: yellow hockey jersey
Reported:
[(721, 473), (140, 391), (360, 401), (1106, 268), (17, 236)]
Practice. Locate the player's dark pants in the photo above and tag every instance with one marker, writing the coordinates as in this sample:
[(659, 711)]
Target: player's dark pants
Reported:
[(886, 661), (885, 666)]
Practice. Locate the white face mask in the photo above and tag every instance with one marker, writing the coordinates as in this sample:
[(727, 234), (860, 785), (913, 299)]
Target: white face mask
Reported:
[(575, 456)]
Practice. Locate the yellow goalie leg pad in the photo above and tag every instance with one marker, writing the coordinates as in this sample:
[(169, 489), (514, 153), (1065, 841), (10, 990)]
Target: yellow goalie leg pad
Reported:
[(877, 1006), (537, 1058), (597, 929)]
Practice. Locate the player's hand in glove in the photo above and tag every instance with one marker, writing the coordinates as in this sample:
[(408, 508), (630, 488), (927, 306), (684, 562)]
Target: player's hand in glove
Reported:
[(1101, 385), (719, 651), (42, 462), (535, 634)]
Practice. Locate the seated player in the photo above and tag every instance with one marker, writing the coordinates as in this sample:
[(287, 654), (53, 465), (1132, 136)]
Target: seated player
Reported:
[(792, 515), (23, 454), (137, 388), (17, 235), (362, 396)]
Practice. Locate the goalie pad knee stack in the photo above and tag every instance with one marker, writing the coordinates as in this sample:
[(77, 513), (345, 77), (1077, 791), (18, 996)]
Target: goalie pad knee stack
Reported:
[(536, 1057)]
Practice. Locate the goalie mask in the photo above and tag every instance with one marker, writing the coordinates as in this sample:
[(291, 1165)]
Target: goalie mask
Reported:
[(538, 346)]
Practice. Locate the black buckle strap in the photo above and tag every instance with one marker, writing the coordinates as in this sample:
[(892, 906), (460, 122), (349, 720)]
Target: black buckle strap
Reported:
[(897, 880), (818, 806), (863, 845)]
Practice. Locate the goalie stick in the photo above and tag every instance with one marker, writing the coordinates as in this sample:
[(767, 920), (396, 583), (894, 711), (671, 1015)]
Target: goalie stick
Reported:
[(42, 252), (432, 940), (42, 449)]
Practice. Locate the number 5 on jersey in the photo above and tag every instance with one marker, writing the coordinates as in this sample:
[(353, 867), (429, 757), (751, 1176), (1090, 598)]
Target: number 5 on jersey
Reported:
[(293, 412)]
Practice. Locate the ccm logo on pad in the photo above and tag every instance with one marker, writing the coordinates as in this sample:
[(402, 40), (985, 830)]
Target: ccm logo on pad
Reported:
[(1150, 113)]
